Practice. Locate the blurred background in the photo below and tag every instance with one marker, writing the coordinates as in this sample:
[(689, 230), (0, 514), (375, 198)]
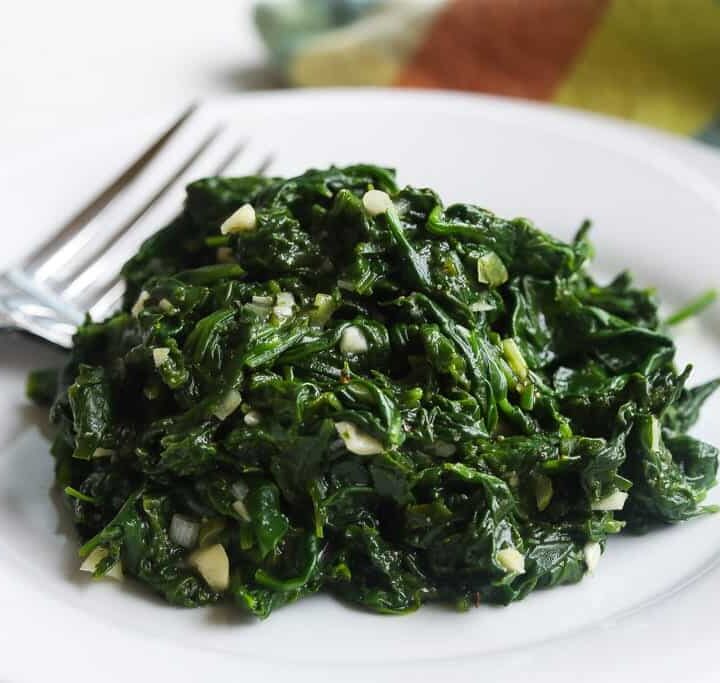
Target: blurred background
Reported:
[(83, 62)]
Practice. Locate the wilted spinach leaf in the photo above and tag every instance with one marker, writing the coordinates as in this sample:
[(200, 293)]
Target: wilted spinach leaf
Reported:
[(358, 390)]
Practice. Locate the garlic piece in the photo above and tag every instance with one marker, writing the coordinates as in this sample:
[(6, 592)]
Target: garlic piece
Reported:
[(230, 403), (511, 560), (592, 552), (356, 441), (282, 312), (91, 562), (252, 419), (615, 501), (377, 202), (160, 356), (139, 305), (165, 306), (213, 565), (240, 507), (353, 340), (243, 220)]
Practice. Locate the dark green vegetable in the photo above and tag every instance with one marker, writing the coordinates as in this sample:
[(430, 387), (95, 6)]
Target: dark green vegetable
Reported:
[(691, 309), (42, 386), (416, 403)]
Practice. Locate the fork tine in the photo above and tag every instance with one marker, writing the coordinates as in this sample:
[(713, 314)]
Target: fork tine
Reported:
[(35, 260), (109, 296), (98, 270), (98, 273), (108, 300), (90, 256), (229, 158), (265, 164)]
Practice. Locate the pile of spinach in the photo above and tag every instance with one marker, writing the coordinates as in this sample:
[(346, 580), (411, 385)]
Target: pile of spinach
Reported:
[(424, 403)]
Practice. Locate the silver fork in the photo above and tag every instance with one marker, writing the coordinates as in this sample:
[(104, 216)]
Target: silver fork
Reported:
[(77, 269)]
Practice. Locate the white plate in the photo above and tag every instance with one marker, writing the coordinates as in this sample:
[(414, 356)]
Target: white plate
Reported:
[(650, 610)]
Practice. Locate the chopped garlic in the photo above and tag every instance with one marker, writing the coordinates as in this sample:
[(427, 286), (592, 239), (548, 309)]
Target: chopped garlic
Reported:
[(285, 299), (515, 358), (91, 562), (592, 552), (160, 356), (115, 572), (282, 312), (165, 306), (615, 501), (491, 270), (213, 565), (263, 301), (228, 405), (353, 340), (103, 452), (243, 220), (356, 441), (240, 507), (252, 419), (511, 560), (376, 202), (139, 305)]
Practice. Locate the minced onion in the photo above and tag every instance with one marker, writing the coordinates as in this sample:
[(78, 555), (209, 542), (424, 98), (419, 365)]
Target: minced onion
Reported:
[(183, 531)]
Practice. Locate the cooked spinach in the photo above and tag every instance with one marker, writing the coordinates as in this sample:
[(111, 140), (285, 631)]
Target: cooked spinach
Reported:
[(353, 388)]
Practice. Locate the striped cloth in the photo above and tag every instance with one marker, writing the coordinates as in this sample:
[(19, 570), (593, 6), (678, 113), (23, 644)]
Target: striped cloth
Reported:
[(652, 61)]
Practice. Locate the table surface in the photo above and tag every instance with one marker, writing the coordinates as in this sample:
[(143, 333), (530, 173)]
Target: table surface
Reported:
[(76, 63), (81, 62)]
